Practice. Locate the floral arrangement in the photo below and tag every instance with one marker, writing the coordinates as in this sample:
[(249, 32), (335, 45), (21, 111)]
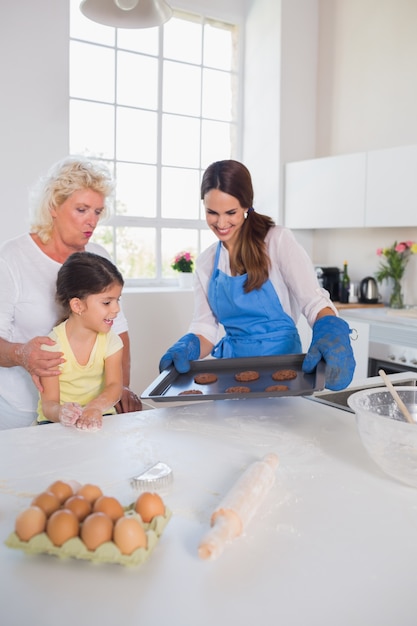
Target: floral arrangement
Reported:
[(396, 259), (183, 262)]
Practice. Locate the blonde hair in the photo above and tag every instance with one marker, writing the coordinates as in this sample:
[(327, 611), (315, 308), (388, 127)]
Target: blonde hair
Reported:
[(64, 178)]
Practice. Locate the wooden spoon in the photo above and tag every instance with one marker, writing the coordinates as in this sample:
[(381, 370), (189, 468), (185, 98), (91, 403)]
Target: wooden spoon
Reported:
[(396, 397)]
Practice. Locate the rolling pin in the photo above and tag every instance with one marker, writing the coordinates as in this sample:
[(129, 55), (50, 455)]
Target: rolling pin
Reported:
[(238, 506)]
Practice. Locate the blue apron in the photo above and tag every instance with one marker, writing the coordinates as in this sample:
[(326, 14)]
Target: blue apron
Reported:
[(255, 322)]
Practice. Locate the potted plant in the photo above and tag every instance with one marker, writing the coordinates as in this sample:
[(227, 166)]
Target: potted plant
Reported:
[(183, 263), (393, 267)]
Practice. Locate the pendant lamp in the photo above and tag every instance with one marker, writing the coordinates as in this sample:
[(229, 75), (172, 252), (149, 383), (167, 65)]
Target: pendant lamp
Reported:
[(127, 13)]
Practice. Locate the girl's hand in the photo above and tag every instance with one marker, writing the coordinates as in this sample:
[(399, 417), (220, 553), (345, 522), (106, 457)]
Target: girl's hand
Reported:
[(69, 413), (90, 419)]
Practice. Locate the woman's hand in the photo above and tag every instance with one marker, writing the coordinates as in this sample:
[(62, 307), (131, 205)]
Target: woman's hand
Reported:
[(331, 342), (181, 353), (38, 362), (129, 402)]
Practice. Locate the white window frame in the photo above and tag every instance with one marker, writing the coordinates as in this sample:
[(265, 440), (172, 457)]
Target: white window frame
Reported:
[(158, 222)]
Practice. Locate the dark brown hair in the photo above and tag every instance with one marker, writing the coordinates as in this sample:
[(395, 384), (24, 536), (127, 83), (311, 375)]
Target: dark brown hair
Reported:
[(250, 255), (82, 275)]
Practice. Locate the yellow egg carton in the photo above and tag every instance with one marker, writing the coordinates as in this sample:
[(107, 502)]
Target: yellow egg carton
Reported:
[(108, 552)]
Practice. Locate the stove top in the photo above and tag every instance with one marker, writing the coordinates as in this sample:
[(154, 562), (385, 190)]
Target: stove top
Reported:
[(392, 333)]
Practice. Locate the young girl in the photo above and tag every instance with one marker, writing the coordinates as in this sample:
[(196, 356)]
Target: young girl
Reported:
[(88, 289)]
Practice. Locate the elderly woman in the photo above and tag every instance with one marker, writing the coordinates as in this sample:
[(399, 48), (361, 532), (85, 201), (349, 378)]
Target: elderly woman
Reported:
[(67, 208)]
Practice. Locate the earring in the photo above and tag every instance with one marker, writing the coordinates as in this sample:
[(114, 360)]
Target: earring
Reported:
[(245, 215)]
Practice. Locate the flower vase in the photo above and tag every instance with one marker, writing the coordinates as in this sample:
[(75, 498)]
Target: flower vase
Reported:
[(396, 299), (185, 280)]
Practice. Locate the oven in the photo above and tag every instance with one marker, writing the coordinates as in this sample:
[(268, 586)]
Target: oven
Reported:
[(392, 338), (393, 344), (393, 358)]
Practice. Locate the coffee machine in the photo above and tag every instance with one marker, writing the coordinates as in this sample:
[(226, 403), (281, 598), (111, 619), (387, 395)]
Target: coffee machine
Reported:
[(329, 279)]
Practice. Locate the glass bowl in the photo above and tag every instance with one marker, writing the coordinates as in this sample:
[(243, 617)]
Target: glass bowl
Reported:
[(389, 439)]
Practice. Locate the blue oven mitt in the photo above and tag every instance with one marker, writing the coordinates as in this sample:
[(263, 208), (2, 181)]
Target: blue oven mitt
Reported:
[(181, 353), (331, 342)]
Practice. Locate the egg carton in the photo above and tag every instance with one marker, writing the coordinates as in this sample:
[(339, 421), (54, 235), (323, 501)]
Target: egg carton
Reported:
[(108, 552)]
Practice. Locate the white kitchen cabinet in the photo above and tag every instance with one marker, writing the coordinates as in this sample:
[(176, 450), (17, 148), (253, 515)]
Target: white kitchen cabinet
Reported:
[(391, 192), (326, 193), (359, 343)]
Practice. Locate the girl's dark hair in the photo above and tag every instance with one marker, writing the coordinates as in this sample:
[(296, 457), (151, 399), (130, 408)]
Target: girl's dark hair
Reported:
[(250, 255), (84, 274)]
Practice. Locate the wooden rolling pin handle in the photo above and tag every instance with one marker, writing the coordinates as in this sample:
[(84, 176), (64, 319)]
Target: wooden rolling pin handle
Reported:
[(239, 506), (226, 526)]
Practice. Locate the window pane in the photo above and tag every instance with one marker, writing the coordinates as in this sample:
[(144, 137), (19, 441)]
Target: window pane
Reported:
[(215, 142), (91, 72), (183, 40), (181, 141), (136, 252), (173, 241), (136, 135), (83, 28), (207, 238), (138, 40), (136, 190), (182, 88), (180, 193), (137, 80), (218, 47), (92, 129), (214, 83), (104, 235)]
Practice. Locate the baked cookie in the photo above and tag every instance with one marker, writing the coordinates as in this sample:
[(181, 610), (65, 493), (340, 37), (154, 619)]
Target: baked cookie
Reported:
[(245, 377), (284, 375), (239, 389), (205, 379), (277, 388), (190, 392)]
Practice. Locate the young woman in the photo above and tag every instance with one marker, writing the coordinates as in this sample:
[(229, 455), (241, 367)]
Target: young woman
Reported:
[(88, 289), (255, 282)]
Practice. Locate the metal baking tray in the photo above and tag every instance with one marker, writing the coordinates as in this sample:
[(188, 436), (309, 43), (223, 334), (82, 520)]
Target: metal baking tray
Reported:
[(169, 384)]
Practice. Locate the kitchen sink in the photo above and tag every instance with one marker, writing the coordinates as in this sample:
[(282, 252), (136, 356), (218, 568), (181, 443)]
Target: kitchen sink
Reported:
[(338, 399)]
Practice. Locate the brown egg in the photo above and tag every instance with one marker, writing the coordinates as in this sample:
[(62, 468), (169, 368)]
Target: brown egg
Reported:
[(61, 489), (61, 526), (129, 534), (110, 506), (30, 522), (47, 501), (149, 505), (90, 492), (78, 505), (96, 529)]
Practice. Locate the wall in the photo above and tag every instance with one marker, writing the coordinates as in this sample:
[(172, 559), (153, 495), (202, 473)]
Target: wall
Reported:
[(34, 100), (366, 75), (261, 127), (366, 95), (156, 320)]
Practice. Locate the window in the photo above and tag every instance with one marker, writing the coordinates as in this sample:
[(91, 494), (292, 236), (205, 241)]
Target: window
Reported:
[(158, 105)]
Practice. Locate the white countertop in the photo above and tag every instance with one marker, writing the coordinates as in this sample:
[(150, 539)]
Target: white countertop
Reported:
[(384, 315), (334, 543)]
